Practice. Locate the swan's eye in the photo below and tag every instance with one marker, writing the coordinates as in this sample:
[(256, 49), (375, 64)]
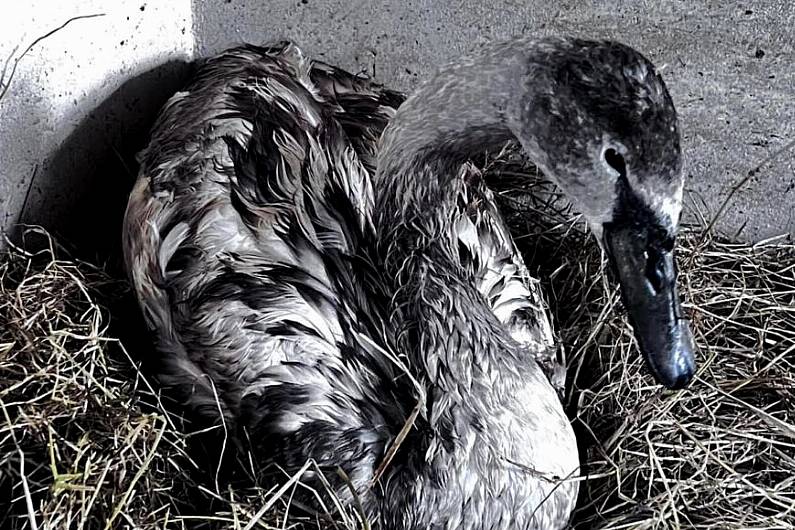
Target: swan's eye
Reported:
[(616, 162)]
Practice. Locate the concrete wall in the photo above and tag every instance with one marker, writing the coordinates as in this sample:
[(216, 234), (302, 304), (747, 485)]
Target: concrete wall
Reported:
[(82, 100), (78, 107), (730, 67)]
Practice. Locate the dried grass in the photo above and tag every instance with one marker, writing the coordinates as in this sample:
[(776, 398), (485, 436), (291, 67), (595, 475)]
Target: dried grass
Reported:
[(84, 443)]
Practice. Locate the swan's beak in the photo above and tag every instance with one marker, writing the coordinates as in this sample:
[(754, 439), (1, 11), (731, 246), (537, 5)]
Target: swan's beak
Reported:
[(647, 275)]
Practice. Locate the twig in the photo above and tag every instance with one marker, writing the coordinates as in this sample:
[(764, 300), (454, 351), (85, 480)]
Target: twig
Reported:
[(6, 83), (23, 476), (277, 495), (138, 474)]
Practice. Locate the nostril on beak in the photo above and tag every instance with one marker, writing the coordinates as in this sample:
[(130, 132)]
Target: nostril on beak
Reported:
[(659, 269), (655, 275)]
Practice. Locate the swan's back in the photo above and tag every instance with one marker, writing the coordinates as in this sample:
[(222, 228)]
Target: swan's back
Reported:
[(247, 238), (240, 237)]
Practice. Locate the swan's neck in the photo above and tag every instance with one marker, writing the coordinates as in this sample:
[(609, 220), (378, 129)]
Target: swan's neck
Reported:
[(482, 390), (464, 111)]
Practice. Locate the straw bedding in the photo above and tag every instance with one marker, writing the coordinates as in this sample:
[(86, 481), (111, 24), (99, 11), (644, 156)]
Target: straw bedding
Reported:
[(85, 442)]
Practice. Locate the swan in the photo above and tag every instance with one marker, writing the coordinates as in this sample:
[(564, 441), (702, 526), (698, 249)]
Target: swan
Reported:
[(322, 269)]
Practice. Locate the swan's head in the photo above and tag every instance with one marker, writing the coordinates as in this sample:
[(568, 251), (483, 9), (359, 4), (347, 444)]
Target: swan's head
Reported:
[(605, 129)]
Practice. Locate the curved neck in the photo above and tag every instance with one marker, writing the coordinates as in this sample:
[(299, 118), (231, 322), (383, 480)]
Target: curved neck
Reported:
[(463, 111), (447, 326)]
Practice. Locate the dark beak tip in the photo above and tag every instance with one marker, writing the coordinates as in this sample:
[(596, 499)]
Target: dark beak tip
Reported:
[(679, 381), (646, 271), (678, 374)]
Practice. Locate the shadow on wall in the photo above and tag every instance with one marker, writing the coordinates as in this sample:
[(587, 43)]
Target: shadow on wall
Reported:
[(80, 193)]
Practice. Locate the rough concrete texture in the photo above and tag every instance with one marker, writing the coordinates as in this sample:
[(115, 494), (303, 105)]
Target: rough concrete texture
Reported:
[(730, 67), (79, 105), (82, 100)]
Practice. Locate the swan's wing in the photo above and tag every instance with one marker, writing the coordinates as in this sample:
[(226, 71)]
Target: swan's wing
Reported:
[(487, 249), (361, 107), (364, 109), (239, 239)]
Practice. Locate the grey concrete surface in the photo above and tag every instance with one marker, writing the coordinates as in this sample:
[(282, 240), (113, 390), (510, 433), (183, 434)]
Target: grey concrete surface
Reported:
[(730, 67), (82, 101), (79, 105)]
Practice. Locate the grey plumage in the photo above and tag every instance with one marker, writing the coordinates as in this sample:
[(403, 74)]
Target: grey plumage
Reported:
[(316, 286)]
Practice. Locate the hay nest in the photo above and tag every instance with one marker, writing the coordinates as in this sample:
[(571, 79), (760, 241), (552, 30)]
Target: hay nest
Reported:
[(85, 443), (75, 449)]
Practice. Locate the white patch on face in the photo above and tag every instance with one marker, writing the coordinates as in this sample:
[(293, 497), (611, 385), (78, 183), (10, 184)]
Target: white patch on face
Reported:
[(671, 208), (668, 208), (665, 201)]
